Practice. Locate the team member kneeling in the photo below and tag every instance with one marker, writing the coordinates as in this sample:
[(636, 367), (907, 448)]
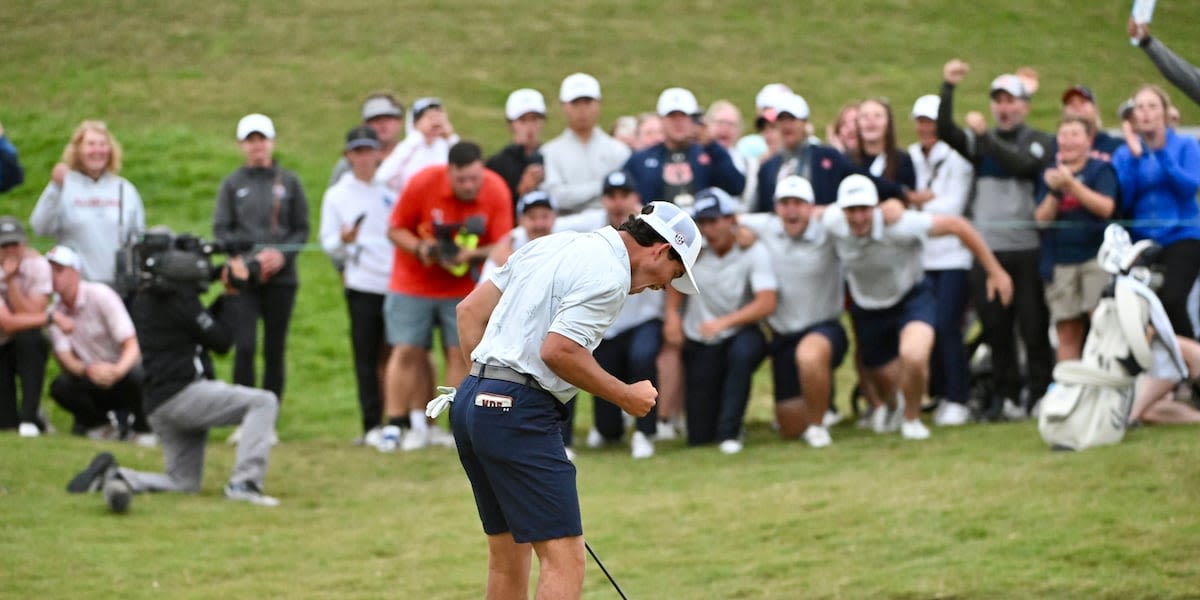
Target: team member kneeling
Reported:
[(892, 308)]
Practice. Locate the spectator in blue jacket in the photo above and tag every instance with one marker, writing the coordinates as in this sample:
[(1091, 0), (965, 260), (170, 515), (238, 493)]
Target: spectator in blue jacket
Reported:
[(823, 166), (11, 173), (1159, 173), (675, 169)]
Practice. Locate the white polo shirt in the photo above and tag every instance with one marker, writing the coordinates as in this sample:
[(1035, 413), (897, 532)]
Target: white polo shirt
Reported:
[(572, 284), (729, 283), (808, 271), (950, 177), (884, 265), (639, 308), (369, 258)]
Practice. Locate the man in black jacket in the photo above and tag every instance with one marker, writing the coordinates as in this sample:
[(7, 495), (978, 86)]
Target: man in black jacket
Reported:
[(182, 399), (520, 163)]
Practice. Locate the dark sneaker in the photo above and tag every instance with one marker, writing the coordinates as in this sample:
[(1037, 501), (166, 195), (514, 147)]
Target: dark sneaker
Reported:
[(247, 491), (91, 479), (117, 493)]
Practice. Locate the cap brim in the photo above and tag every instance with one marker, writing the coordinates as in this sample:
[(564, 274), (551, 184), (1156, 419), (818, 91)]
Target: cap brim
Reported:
[(11, 238), (687, 283), (356, 144)]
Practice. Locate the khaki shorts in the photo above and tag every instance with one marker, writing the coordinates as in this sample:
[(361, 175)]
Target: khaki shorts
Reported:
[(1075, 290)]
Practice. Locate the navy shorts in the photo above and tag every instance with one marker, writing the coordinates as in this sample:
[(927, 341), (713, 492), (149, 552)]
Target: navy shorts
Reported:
[(784, 371), (510, 444), (878, 331)]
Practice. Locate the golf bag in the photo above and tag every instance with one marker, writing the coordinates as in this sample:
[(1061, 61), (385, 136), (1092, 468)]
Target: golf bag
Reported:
[(1089, 403)]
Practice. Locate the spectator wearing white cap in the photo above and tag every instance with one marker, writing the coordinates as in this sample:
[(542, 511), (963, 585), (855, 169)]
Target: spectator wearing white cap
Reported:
[(520, 163), (354, 226), (578, 159), (674, 170), (427, 143), (24, 294), (722, 342), (1008, 161), (807, 341), (264, 205), (87, 204), (385, 115), (944, 180), (892, 307), (822, 166), (97, 349), (762, 144)]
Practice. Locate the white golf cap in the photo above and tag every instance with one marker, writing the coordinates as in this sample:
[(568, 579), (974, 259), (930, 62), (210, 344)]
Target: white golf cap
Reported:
[(579, 85), (255, 123), (1012, 84), (792, 104), (675, 226), (857, 190), (677, 99), (523, 102), (381, 106), (926, 107), (767, 95), (795, 186), (64, 256)]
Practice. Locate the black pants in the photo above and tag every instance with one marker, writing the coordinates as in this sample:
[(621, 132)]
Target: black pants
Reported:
[(630, 357), (1029, 313), (366, 338), (1181, 263), (22, 357), (718, 379), (90, 403), (273, 304)]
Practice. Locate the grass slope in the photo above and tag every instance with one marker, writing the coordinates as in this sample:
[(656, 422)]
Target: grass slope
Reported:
[(979, 512)]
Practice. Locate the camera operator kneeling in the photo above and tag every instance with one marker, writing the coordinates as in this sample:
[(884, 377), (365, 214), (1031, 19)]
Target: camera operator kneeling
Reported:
[(183, 400)]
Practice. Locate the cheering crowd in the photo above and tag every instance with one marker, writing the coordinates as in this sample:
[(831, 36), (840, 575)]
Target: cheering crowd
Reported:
[(998, 217)]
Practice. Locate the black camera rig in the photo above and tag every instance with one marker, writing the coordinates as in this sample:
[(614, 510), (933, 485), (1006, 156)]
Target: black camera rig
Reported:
[(164, 261)]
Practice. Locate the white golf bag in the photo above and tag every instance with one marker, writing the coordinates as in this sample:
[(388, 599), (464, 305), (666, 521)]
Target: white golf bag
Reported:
[(1089, 403)]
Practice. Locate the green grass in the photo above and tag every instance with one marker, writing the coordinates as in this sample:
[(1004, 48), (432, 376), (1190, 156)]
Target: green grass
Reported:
[(980, 512)]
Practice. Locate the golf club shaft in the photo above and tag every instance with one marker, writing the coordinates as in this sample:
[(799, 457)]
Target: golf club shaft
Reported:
[(606, 573)]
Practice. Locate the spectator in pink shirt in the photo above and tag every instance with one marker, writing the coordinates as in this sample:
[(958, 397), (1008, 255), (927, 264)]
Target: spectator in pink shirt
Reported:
[(97, 348)]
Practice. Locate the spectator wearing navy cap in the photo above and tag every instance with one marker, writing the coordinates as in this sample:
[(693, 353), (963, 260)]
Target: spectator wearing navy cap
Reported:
[(822, 166), (1079, 100), (354, 226), (578, 159), (1008, 161), (675, 169), (722, 342), (520, 163)]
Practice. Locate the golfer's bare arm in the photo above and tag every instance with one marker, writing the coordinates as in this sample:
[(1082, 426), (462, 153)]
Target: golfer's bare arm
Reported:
[(474, 312), (576, 365)]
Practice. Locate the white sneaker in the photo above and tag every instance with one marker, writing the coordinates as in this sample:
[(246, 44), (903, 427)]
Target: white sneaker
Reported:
[(441, 437), (817, 436), (731, 446), (594, 439), (896, 415), (665, 431), (415, 439), (28, 430), (879, 419), (914, 430), (1013, 412), (248, 492), (831, 418), (371, 438), (641, 446), (951, 414), (389, 438), (145, 440)]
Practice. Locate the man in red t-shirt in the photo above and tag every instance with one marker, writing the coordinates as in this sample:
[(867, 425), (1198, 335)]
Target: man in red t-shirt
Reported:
[(443, 226)]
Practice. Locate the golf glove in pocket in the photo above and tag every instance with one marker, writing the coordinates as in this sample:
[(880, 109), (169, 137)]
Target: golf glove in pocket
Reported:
[(438, 405)]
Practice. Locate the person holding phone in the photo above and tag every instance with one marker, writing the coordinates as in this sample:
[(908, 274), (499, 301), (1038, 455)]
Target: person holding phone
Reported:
[(354, 224)]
